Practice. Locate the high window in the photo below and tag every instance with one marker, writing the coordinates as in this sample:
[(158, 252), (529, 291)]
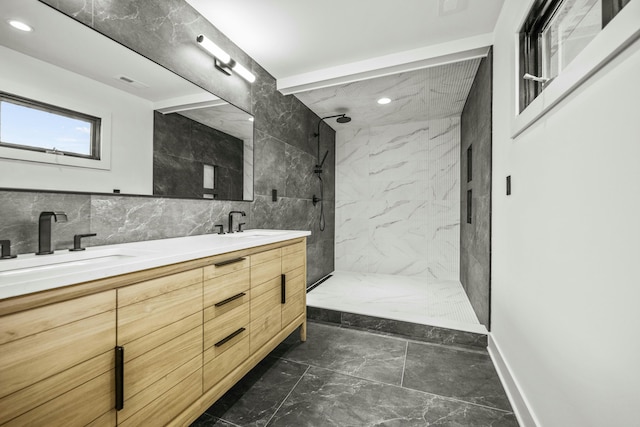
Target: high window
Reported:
[(31, 125), (555, 32)]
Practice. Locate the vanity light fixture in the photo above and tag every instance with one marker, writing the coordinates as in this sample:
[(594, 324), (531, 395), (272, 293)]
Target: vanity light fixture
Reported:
[(19, 25), (223, 60), (383, 101)]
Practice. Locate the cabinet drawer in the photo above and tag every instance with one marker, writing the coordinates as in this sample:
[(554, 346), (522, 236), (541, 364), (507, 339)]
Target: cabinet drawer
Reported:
[(31, 359), (144, 317), (266, 271), (222, 293), (228, 328), (265, 256), (294, 285), (218, 367), (296, 247), (265, 328), (264, 303), (293, 308), (225, 267)]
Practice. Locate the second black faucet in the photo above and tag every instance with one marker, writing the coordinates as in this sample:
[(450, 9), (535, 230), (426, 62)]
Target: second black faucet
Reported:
[(231, 219)]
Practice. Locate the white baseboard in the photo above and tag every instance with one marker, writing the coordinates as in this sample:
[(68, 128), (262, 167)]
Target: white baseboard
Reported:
[(518, 401)]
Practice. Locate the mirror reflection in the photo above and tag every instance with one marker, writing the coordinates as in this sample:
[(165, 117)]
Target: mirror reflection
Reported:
[(159, 133), (203, 152)]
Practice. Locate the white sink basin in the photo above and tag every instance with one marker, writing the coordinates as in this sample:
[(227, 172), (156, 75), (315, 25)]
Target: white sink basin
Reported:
[(64, 259), (255, 233)]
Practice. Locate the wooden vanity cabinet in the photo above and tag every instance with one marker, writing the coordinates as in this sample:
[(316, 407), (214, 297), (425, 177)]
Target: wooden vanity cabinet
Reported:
[(160, 331), (57, 363), (155, 347)]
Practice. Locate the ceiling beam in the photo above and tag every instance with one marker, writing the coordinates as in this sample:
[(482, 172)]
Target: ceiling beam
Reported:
[(430, 56)]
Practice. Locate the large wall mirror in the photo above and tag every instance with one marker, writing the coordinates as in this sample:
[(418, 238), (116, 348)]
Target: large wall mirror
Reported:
[(158, 134)]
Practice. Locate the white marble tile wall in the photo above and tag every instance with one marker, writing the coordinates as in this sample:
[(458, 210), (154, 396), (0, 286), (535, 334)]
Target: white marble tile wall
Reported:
[(397, 199)]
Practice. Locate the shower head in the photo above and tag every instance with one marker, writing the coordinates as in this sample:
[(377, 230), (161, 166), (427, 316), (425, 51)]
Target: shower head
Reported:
[(341, 118)]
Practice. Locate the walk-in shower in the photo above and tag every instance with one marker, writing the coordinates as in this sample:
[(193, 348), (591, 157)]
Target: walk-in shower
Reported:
[(340, 118)]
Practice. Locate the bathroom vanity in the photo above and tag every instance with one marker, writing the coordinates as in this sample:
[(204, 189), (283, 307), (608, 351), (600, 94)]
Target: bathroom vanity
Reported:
[(146, 333)]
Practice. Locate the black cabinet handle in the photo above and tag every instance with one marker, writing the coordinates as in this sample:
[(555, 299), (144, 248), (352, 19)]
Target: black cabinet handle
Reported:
[(119, 378), (283, 288), (230, 337), (231, 261), (228, 300)]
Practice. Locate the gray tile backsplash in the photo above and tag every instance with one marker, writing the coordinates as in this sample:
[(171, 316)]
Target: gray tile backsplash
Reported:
[(285, 148)]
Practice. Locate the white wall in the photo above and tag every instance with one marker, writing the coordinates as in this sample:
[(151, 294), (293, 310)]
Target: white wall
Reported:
[(565, 244), (130, 131), (397, 199)]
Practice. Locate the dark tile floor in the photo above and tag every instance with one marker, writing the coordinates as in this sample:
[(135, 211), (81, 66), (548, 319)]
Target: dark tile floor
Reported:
[(345, 377)]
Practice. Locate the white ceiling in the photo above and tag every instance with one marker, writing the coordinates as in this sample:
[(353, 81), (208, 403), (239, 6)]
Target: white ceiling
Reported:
[(317, 50), (295, 37)]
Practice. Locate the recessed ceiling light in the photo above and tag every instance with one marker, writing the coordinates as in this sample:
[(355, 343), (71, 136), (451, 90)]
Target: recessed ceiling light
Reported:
[(383, 101), (251, 119), (20, 25)]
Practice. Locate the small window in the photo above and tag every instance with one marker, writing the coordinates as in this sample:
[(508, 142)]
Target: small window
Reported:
[(26, 124), (469, 207), (555, 32)]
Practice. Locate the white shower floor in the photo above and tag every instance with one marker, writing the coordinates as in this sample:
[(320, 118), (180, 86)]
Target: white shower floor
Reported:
[(411, 299)]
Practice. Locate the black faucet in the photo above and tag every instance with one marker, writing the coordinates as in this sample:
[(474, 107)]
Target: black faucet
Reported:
[(220, 228), (6, 249), (231, 219), (77, 241), (44, 231)]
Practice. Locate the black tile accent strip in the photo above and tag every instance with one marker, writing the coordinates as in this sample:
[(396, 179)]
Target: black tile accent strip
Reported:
[(414, 331)]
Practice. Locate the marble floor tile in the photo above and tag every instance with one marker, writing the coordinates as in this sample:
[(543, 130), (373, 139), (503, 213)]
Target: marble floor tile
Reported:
[(441, 303), (328, 398), (337, 378), (357, 353), (456, 373), (254, 400)]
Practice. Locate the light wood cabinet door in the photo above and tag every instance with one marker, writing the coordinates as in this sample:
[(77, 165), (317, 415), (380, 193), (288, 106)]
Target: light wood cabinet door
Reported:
[(57, 363), (160, 329), (294, 271)]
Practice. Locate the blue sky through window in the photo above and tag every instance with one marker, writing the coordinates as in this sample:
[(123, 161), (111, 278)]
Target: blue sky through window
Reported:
[(36, 128)]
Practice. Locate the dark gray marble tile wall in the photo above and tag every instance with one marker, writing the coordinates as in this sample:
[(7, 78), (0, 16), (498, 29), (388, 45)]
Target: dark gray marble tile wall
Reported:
[(182, 146), (475, 238), (285, 146)]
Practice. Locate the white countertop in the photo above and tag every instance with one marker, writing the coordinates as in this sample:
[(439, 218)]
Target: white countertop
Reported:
[(31, 273)]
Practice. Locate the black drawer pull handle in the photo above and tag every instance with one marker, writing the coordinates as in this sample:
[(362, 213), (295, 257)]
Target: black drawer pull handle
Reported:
[(229, 338), (283, 288), (231, 261), (119, 378), (228, 300)]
